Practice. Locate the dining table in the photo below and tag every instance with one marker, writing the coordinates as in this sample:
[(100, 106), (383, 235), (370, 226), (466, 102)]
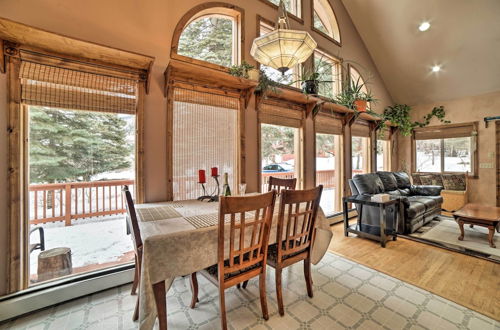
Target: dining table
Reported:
[(180, 238)]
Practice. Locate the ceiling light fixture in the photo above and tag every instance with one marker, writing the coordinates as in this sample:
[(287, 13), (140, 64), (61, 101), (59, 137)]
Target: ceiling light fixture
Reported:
[(283, 48), (424, 26), (436, 68)]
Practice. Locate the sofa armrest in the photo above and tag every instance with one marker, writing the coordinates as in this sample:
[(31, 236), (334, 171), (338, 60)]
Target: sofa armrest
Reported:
[(425, 190)]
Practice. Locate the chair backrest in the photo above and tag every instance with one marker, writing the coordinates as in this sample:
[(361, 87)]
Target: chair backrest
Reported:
[(132, 218), (296, 220), (279, 184), (250, 220)]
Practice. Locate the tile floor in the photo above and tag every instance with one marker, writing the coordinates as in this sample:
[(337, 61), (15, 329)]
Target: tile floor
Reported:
[(346, 295)]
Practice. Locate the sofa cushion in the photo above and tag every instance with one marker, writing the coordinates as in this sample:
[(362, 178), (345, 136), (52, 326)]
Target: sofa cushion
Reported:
[(402, 179), (416, 179), (437, 180), (429, 203), (454, 182), (426, 180), (388, 180), (425, 190), (404, 192), (415, 208), (368, 184)]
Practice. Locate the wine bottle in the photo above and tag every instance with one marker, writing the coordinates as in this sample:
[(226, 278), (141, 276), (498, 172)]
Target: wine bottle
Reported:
[(226, 190)]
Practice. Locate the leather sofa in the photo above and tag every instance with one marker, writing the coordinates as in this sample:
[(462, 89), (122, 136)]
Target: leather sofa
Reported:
[(421, 203)]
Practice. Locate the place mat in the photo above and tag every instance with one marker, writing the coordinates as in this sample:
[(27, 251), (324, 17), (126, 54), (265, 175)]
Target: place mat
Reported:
[(212, 219), (158, 213)]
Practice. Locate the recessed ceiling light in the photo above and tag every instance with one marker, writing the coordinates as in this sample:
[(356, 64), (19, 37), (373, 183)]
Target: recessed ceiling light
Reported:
[(436, 68), (424, 26)]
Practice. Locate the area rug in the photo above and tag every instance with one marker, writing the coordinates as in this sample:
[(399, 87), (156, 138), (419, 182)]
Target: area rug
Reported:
[(444, 231), (347, 295)]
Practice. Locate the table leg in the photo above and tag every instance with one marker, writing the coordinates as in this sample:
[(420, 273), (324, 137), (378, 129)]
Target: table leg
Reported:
[(360, 216), (382, 225), (491, 232), (161, 303), (461, 226), (346, 219)]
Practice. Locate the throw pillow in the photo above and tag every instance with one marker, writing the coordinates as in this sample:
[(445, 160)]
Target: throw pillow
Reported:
[(426, 180), (416, 179), (454, 182)]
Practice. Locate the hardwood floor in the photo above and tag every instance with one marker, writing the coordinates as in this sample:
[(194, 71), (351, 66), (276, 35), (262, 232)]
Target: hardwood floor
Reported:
[(468, 281)]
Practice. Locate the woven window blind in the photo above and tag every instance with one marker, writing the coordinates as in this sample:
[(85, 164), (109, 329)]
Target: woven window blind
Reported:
[(444, 132), (82, 89), (205, 135), (280, 112), (384, 134), (328, 123), (360, 128)]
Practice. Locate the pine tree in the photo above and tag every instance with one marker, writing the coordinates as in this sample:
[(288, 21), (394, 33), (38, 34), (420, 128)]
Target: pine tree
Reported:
[(76, 145)]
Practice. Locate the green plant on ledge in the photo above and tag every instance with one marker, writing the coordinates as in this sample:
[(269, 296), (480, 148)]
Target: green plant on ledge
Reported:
[(399, 115), (352, 97), (266, 85), (241, 70)]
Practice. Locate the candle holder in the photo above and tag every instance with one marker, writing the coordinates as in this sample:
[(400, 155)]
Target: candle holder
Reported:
[(214, 197)]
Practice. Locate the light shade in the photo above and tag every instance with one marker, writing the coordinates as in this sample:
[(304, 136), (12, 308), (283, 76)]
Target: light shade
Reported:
[(281, 49)]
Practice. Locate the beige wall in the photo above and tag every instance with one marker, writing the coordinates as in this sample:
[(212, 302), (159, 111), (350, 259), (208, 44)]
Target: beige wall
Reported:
[(475, 108), (146, 27)]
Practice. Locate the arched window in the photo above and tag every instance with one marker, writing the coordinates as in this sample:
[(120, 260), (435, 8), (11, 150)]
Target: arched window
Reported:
[(356, 78), (209, 35), (324, 20)]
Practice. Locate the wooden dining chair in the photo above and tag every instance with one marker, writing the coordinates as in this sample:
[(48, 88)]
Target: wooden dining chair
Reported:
[(295, 235), (279, 184), (133, 224), (241, 254)]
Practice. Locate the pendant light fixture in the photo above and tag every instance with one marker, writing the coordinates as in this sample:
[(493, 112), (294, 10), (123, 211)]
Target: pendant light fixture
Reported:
[(283, 48)]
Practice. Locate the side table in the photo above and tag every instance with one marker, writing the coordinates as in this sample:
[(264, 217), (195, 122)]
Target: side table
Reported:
[(379, 233)]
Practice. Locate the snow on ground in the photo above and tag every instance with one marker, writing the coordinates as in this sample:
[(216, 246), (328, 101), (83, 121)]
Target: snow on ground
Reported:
[(91, 243), (327, 201), (451, 164)]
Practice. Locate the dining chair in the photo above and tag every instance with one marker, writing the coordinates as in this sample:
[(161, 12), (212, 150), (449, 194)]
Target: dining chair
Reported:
[(294, 236), (133, 224), (242, 248), (277, 184)]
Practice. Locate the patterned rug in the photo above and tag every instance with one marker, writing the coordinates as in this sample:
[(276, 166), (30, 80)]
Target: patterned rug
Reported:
[(443, 231), (346, 295)]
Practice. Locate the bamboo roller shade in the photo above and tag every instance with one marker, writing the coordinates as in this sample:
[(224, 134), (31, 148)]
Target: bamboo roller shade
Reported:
[(280, 112), (445, 131), (328, 123), (206, 98), (62, 87), (360, 128)]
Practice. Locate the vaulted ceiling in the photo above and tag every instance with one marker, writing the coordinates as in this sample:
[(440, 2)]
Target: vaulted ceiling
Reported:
[(464, 39)]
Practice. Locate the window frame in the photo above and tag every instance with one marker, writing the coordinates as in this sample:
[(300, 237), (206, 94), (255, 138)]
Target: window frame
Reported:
[(337, 62), (300, 6), (212, 9), (330, 38), (474, 173)]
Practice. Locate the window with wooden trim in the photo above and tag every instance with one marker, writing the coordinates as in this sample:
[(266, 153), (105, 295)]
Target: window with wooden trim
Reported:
[(328, 68), (294, 7), (205, 135), (360, 147), (328, 127), (324, 20), (291, 77), (213, 36), (449, 148), (383, 155), (81, 141), (280, 140)]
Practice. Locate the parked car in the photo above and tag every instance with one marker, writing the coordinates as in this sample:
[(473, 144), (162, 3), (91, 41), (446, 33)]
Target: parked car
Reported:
[(273, 168)]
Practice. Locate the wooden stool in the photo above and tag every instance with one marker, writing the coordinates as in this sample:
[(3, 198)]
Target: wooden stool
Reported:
[(54, 263)]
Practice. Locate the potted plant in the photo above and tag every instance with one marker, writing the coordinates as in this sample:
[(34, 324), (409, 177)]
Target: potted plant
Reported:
[(353, 97), (265, 85), (311, 79), (400, 115)]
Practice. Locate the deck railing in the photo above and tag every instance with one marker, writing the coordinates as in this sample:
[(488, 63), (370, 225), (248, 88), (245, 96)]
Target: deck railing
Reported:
[(75, 200)]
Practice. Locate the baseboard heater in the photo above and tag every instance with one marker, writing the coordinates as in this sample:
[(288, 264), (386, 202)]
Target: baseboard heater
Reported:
[(43, 296)]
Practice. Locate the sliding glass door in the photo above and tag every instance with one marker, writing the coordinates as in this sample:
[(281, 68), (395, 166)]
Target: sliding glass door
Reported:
[(360, 155), (78, 162)]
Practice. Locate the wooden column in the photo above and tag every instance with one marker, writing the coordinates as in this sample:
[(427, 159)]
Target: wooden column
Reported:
[(373, 148), (347, 152), (139, 149), (394, 149), (17, 230)]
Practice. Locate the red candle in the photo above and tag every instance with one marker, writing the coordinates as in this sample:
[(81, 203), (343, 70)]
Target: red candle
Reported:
[(215, 171), (201, 176)]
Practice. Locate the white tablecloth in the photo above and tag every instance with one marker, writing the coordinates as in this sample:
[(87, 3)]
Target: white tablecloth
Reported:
[(174, 247)]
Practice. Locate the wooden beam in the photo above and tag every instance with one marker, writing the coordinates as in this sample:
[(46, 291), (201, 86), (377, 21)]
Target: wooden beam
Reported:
[(27, 35), (310, 107), (373, 146)]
